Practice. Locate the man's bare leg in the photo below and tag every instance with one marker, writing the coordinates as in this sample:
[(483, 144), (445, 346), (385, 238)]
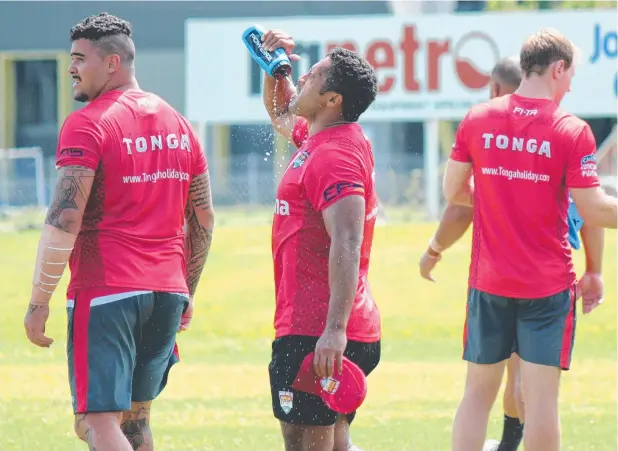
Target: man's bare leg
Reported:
[(540, 387), (135, 425), (308, 438), (509, 400), (516, 403), (512, 429), (101, 431), (343, 442), (482, 386)]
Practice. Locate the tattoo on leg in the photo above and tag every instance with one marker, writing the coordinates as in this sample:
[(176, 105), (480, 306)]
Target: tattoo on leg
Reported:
[(89, 440), (83, 431), (136, 428), (81, 427), (134, 431)]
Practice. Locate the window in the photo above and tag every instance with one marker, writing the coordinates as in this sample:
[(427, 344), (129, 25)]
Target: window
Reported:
[(36, 92)]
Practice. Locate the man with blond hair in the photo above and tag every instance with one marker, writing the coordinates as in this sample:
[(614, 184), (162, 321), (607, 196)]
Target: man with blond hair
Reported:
[(526, 155)]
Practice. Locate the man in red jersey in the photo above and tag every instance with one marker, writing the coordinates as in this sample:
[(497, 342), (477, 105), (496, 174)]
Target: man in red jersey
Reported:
[(526, 155), (325, 215), (130, 173), (505, 79)]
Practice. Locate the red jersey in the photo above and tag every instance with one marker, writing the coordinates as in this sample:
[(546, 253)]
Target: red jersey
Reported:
[(145, 155), (330, 165), (526, 154)]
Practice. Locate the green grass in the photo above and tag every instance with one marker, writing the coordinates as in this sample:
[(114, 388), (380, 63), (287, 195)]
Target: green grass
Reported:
[(218, 397)]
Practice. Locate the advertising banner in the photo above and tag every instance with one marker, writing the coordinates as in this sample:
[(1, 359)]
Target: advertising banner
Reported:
[(432, 66)]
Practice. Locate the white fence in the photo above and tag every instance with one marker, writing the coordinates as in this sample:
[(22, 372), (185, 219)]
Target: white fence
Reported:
[(22, 179), (27, 180)]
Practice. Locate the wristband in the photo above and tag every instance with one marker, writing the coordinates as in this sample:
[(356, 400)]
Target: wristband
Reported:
[(430, 253), (435, 246)]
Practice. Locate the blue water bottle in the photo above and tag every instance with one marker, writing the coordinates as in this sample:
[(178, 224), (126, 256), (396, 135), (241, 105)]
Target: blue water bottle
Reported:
[(275, 63)]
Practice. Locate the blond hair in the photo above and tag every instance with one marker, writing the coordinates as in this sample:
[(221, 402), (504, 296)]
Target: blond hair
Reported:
[(543, 49)]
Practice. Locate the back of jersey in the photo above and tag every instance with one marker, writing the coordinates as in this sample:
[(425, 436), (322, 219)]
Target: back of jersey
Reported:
[(525, 154), (145, 155)]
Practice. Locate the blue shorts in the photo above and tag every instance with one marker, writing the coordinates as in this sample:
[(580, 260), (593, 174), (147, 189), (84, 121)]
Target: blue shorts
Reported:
[(121, 345), (540, 331)]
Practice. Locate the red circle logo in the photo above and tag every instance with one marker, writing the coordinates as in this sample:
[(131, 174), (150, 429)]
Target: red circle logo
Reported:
[(474, 57)]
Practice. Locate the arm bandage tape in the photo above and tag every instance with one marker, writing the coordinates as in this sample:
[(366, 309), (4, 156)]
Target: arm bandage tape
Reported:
[(55, 247)]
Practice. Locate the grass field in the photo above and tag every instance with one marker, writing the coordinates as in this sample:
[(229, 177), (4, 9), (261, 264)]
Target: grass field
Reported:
[(218, 397)]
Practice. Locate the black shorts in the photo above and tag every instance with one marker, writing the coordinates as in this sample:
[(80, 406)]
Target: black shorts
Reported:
[(294, 407), (120, 346), (540, 331)]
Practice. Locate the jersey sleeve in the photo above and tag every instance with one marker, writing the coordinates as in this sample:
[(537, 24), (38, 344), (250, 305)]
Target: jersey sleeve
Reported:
[(581, 164), (300, 132), (79, 143), (461, 151), (334, 175)]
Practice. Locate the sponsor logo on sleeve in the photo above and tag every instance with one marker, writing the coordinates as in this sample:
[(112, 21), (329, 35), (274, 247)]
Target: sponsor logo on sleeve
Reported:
[(337, 189), (589, 158), (589, 166), (70, 153), (300, 160)]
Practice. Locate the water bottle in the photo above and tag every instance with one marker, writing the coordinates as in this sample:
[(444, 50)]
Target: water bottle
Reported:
[(275, 63)]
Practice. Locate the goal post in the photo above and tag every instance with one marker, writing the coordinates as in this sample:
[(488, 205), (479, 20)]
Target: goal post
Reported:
[(9, 184)]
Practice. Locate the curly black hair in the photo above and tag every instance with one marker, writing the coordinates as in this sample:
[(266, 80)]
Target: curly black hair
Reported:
[(109, 33), (353, 77)]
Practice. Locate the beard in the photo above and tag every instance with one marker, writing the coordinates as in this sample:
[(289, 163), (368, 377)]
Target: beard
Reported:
[(81, 97)]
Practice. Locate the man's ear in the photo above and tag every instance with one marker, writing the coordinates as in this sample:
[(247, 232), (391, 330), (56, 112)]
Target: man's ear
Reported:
[(113, 63), (334, 100), (558, 69)]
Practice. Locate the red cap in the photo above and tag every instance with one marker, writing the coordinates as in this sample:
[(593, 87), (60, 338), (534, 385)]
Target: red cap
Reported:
[(343, 393)]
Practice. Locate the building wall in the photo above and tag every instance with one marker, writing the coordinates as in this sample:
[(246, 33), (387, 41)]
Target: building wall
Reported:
[(158, 32), (157, 25), (162, 72)]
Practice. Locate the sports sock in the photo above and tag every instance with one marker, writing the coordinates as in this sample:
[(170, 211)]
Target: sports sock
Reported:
[(512, 433)]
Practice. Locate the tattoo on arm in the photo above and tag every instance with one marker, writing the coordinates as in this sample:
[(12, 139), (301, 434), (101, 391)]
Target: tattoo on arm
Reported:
[(32, 308), (70, 196), (200, 222), (199, 192)]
